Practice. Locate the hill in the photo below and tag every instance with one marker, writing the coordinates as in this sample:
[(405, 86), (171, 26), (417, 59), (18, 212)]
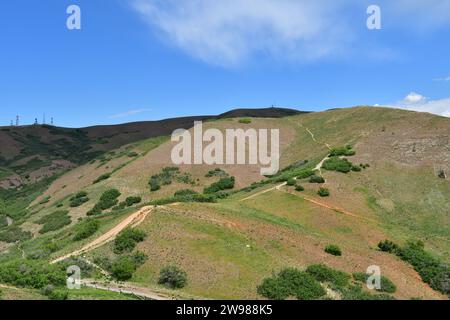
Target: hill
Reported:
[(393, 190)]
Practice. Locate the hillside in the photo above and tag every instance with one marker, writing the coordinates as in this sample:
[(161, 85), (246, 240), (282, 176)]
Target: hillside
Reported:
[(398, 188)]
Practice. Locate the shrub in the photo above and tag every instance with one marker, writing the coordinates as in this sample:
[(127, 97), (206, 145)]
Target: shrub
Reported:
[(107, 200), (79, 199), (299, 188), (76, 202), (54, 221), (58, 294), (45, 200), (356, 168), (333, 250), (13, 234), (154, 184), (291, 182), (123, 268), (3, 220), (31, 274), (291, 282), (163, 178), (323, 273), (245, 120), (132, 200), (139, 258), (216, 173), (337, 164), (222, 184), (386, 284), (323, 192), (431, 269), (316, 179), (127, 240), (387, 246), (172, 277), (132, 154), (85, 229), (342, 151), (441, 174), (104, 176), (355, 292)]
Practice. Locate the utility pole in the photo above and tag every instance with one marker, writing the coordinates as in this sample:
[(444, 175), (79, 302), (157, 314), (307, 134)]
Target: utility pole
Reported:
[(51, 121), (35, 121), (17, 121), (43, 119)]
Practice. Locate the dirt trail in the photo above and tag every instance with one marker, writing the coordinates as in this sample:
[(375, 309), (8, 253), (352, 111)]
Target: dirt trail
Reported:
[(133, 220), (127, 289)]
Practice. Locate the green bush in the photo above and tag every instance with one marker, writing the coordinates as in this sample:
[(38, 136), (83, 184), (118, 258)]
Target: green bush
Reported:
[(323, 192), (245, 120), (123, 268), (223, 184), (299, 188), (54, 221), (132, 201), (323, 273), (172, 277), (77, 202), (337, 164), (163, 178), (31, 274), (333, 250), (356, 168), (58, 294), (85, 229), (356, 292), (3, 221), (13, 234), (316, 179), (216, 173), (291, 282), (45, 200), (127, 240), (342, 151), (387, 246), (431, 269), (291, 182), (104, 176), (154, 184), (386, 284), (107, 201)]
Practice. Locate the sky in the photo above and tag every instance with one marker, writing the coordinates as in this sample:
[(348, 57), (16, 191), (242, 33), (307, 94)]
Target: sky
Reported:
[(136, 60)]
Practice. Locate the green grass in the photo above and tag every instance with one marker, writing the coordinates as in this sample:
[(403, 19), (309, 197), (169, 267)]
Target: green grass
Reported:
[(86, 293)]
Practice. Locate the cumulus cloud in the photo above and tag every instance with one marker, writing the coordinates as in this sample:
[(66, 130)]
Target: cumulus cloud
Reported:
[(227, 32), (128, 113), (418, 102)]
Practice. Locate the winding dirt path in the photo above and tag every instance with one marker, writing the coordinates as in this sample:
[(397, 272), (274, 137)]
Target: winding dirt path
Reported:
[(132, 220)]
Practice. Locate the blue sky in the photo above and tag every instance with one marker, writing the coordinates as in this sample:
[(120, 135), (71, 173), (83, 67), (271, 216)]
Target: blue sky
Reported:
[(151, 59)]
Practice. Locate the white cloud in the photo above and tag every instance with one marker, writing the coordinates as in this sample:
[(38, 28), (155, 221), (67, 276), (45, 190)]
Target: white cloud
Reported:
[(226, 32), (418, 102), (414, 98), (443, 79), (128, 113)]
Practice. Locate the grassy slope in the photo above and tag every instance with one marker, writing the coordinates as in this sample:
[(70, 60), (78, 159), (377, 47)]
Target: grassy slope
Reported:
[(399, 191)]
